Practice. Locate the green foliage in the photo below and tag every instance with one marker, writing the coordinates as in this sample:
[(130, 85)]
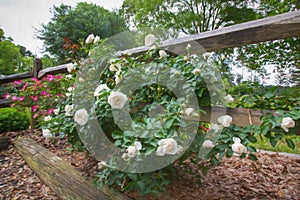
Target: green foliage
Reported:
[(70, 26), (12, 119), (9, 57)]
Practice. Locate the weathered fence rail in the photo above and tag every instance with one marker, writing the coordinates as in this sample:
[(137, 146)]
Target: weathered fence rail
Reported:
[(270, 28)]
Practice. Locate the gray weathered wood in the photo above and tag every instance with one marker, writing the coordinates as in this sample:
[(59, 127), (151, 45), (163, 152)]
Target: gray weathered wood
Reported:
[(15, 77), (262, 30), (53, 70), (64, 180)]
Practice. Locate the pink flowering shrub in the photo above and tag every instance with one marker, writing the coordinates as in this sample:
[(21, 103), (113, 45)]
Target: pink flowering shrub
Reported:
[(41, 96)]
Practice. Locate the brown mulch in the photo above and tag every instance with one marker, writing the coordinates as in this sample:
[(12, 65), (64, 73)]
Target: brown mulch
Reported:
[(271, 177)]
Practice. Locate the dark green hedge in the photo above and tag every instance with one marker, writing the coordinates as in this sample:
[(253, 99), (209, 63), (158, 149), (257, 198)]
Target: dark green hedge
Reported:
[(13, 120)]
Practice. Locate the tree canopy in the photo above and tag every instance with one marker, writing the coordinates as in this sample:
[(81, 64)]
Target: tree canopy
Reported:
[(73, 25)]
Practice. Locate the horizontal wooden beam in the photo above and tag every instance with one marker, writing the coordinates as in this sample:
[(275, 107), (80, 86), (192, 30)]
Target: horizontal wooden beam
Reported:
[(15, 77), (64, 180), (61, 69), (270, 28)]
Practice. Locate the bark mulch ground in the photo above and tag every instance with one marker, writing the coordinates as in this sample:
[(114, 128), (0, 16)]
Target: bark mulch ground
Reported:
[(271, 177)]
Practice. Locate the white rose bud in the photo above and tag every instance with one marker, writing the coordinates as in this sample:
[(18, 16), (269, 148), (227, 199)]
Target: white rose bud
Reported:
[(229, 98), (149, 40), (167, 146), (56, 111), (97, 39), (162, 53), (117, 100), (238, 148), (89, 39), (69, 76), (196, 71), (208, 144), (225, 120), (81, 117), (287, 123), (99, 89)]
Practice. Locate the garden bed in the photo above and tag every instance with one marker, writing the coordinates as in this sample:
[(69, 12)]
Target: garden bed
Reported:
[(271, 177)]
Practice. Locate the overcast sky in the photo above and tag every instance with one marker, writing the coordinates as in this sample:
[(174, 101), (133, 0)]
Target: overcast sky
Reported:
[(19, 18)]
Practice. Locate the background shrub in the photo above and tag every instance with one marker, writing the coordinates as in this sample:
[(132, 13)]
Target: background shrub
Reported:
[(13, 120)]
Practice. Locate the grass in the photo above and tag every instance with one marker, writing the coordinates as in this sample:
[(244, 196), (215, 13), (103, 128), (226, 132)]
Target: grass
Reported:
[(281, 146)]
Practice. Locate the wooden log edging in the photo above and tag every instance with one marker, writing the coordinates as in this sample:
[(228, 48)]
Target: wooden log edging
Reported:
[(64, 180)]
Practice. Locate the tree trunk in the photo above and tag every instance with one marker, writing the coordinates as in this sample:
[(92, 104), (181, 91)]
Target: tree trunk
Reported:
[(65, 181)]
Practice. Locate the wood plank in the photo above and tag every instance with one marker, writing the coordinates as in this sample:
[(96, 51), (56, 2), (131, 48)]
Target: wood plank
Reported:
[(65, 181), (15, 77), (262, 30), (61, 69)]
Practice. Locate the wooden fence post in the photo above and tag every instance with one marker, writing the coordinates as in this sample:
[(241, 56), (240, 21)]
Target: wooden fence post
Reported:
[(37, 66)]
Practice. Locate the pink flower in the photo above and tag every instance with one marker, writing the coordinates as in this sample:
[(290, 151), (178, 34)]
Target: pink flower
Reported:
[(18, 82), (44, 93), (35, 115), (50, 77), (34, 79), (25, 86), (59, 77), (34, 108), (21, 98), (14, 98), (6, 96), (60, 95), (50, 111), (34, 98)]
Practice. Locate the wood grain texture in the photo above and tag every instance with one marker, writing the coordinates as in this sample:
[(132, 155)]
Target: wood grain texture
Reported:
[(65, 181), (262, 30)]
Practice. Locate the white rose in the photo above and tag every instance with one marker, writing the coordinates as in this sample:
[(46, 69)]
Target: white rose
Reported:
[(208, 144), (71, 67), (68, 94), (117, 100), (225, 120), (81, 117), (99, 89), (238, 148), (47, 133), (167, 146), (89, 39), (149, 40), (162, 53), (287, 123), (185, 58), (97, 39), (56, 111), (47, 118), (196, 71), (69, 110), (188, 46), (229, 98), (131, 151)]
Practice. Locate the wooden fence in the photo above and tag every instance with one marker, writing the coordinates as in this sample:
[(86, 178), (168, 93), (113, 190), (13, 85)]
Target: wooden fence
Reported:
[(271, 28)]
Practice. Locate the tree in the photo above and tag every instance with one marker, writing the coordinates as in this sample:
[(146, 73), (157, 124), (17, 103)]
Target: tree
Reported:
[(189, 17), (72, 25), (197, 16)]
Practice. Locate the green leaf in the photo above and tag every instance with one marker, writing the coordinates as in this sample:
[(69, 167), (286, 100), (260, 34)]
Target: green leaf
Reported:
[(273, 141), (252, 139), (169, 123), (290, 143), (252, 157)]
